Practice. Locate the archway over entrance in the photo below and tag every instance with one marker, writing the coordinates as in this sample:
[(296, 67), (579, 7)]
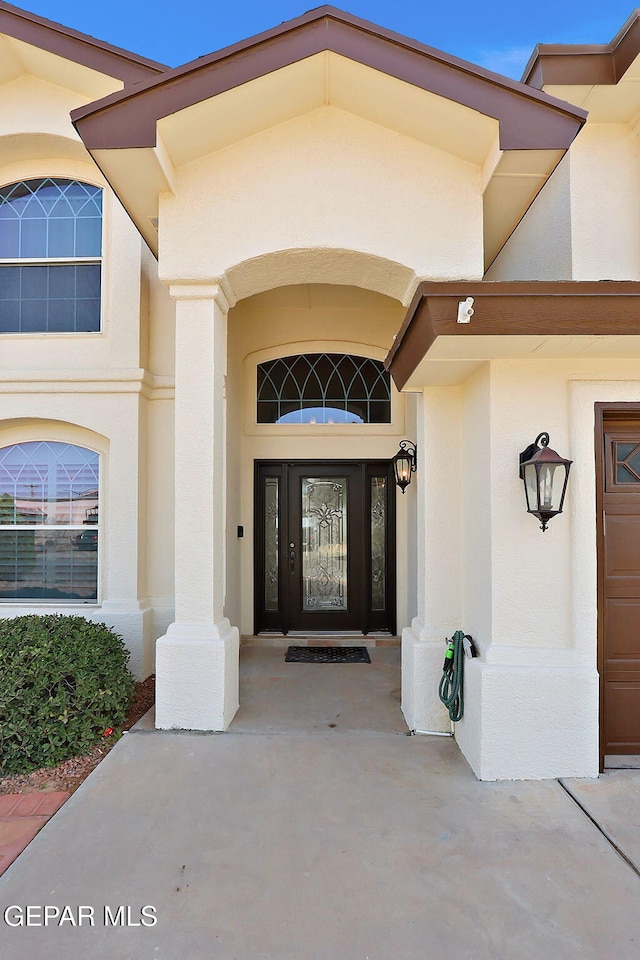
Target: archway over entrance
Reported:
[(324, 265), (218, 440)]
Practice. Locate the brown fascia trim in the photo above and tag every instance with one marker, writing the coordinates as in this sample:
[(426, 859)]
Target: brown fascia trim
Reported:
[(528, 119), (513, 308), (592, 64), (75, 46)]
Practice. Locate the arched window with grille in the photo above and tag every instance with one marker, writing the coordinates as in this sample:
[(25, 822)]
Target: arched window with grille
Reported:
[(323, 388), (50, 256), (49, 498)]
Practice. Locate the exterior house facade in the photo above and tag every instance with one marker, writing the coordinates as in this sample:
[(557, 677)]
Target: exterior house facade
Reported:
[(228, 291)]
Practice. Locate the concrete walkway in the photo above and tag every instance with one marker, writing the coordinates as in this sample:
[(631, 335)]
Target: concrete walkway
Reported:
[(330, 843)]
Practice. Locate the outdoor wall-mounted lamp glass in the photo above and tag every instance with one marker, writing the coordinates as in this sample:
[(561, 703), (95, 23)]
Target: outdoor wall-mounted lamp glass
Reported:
[(405, 463), (544, 474)]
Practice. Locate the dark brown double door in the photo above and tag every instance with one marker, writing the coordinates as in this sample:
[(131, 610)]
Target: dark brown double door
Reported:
[(619, 577), (324, 546)]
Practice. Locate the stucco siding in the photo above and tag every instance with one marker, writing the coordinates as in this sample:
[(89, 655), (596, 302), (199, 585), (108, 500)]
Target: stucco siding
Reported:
[(585, 223), (99, 389), (477, 506), (605, 210), (540, 246), (33, 108), (325, 180), (538, 666)]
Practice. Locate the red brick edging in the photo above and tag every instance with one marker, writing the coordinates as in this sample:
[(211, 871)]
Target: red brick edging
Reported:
[(21, 816)]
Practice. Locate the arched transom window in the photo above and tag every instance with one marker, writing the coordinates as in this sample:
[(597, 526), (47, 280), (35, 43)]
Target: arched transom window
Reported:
[(50, 250), (323, 388), (48, 522)]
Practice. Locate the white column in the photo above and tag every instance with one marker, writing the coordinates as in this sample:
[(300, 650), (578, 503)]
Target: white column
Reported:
[(437, 488), (197, 659)]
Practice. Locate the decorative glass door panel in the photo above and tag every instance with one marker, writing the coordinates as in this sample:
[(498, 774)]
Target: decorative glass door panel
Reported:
[(378, 519), (271, 554), (324, 543), (324, 546)]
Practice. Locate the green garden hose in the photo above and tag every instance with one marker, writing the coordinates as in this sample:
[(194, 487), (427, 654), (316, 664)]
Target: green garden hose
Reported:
[(451, 689)]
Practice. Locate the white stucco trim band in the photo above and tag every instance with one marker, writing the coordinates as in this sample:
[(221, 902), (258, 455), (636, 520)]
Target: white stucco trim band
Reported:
[(92, 381), (219, 291)]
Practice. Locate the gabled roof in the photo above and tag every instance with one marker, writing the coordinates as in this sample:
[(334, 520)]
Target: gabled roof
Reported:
[(601, 78), (75, 47), (560, 64), (528, 120), (516, 135)]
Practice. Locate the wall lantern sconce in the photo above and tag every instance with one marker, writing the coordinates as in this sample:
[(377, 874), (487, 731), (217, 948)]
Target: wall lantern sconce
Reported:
[(405, 463), (544, 474)]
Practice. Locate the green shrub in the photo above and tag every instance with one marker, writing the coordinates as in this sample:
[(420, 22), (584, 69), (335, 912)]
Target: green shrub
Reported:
[(63, 681)]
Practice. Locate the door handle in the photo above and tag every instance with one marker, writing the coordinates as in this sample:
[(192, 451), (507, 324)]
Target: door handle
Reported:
[(292, 558)]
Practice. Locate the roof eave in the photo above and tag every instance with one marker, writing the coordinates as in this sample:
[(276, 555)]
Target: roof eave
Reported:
[(555, 64), (592, 308), (128, 118), (75, 46)]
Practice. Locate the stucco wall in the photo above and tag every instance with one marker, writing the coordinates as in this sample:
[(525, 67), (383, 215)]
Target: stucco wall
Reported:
[(38, 140), (111, 391), (541, 581), (477, 506), (530, 571), (532, 697), (34, 111), (435, 513), (323, 181), (540, 246), (585, 223), (605, 211)]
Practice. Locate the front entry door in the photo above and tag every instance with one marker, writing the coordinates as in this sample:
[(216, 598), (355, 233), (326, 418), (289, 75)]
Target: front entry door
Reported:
[(619, 582), (325, 547)]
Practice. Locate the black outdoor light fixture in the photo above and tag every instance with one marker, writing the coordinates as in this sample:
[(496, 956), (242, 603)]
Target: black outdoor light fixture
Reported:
[(544, 474), (404, 463)]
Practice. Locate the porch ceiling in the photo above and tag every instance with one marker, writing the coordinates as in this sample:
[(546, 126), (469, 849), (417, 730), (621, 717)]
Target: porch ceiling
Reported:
[(516, 136), (512, 320)]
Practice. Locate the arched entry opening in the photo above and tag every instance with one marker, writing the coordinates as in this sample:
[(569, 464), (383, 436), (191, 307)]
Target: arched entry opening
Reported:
[(218, 440), (306, 335)]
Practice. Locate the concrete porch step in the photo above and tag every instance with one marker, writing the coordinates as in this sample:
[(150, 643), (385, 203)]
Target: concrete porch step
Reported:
[(319, 640)]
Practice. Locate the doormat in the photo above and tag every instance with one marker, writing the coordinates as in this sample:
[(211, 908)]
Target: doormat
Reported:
[(327, 655)]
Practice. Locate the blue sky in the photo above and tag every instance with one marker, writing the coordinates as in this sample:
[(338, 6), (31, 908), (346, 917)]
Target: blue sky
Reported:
[(499, 36)]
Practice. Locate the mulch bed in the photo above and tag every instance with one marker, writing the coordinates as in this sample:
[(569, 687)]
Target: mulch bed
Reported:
[(70, 774)]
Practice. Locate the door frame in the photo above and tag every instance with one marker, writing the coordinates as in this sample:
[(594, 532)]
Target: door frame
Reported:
[(604, 411), (280, 621)]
